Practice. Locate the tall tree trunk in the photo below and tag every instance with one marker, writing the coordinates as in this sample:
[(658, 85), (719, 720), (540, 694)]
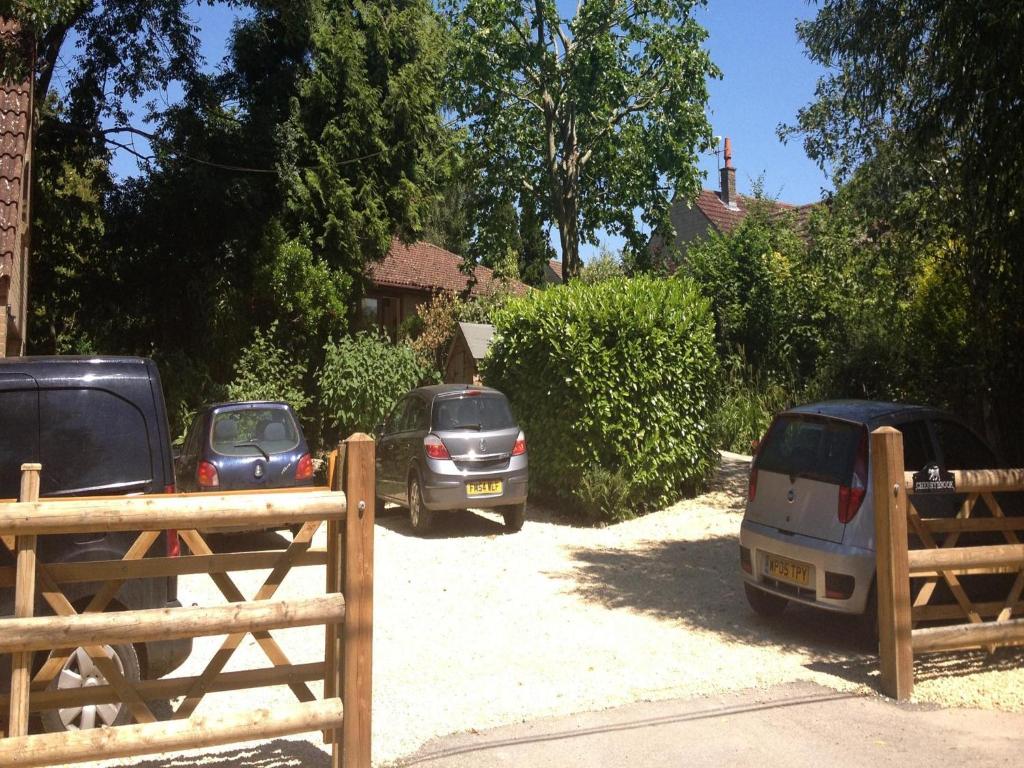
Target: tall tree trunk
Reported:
[(568, 236)]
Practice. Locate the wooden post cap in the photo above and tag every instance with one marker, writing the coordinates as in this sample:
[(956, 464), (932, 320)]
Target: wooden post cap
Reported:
[(31, 467)]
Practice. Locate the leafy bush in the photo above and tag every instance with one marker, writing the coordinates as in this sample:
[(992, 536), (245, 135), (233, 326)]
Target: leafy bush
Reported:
[(747, 406), (605, 266), (617, 375), (765, 296), (361, 379), (604, 496), (265, 371), (433, 329)]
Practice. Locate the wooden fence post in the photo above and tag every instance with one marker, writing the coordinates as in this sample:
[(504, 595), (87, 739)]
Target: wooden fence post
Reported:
[(357, 683), (333, 656), (24, 604), (892, 566)]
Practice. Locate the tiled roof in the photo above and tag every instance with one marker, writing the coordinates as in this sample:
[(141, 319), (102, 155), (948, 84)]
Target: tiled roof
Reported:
[(427, 267), (725, 219), (553, 271), (15, 124)]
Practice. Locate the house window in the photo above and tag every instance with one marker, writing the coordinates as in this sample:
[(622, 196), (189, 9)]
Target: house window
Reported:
[(368, 313)]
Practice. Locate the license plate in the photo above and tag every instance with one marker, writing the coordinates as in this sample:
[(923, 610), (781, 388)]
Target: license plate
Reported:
[(487, 488), (784, 569)]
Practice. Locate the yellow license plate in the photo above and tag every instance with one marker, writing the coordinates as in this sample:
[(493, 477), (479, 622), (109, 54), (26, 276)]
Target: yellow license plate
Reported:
[(489, 488), (784, 569)]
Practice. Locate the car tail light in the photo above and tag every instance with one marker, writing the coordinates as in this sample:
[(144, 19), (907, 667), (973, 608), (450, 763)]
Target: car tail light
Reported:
[(472, 392), (852, 496), (745, 562), (173, 542), (752, 484), (206, 475), (435, 448), (520, 447), (304, 469)]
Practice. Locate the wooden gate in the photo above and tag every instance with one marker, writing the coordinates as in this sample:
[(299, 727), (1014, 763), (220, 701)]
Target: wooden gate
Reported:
[(345, 609), (982, 624)]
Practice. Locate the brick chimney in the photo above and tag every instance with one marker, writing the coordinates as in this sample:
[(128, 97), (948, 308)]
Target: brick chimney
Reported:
[(728, 193)]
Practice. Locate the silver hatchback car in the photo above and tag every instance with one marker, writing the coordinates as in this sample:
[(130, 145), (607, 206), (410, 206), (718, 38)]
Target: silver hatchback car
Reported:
[(808, 533), (449, 447)]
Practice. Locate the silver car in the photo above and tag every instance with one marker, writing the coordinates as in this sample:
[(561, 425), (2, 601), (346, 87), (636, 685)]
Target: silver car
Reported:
[(808, 533), (449, 447)]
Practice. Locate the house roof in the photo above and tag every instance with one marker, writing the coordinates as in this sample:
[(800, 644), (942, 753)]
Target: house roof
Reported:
[(426, 267), (725, 218), (553, 271), (15, 127), (478, 338)]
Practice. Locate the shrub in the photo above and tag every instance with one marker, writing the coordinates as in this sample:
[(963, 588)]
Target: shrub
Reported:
[(747, 405), (361, 379), (265, 371), (604, 496), (616, 375), (605, 266)]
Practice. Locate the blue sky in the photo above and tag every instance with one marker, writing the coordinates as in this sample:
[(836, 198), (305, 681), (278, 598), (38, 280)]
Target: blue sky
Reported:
[(766, 79)]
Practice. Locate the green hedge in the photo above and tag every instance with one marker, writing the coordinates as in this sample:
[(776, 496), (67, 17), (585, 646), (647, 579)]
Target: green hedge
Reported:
[(615, 376)]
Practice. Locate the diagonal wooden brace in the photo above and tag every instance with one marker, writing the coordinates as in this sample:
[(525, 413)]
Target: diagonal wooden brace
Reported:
[(99, 603), (270, 646)]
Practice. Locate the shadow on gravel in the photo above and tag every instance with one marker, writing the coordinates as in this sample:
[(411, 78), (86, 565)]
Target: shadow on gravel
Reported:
[(698, 582), (864, 669), (248, 541), (455, 524), (277, 753)]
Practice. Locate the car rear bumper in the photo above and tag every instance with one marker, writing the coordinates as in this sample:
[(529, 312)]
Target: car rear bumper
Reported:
[(441, 493), (822, 556)]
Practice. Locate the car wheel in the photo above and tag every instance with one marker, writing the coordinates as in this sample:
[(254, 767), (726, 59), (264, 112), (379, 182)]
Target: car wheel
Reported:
[(421, 518), (514, 516), (80, 671), (763, 603)]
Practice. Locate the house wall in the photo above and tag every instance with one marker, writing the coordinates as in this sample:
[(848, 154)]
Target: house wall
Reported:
[(690, 225), (394, 306)]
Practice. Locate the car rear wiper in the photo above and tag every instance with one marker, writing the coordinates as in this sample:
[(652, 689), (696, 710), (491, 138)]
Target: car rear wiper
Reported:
[(257, 446), (475, 427)]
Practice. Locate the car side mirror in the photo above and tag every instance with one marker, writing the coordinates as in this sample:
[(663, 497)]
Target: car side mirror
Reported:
[(176, 451)]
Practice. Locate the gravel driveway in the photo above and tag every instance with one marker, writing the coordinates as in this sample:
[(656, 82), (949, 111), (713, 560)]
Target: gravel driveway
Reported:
[(475, 628)]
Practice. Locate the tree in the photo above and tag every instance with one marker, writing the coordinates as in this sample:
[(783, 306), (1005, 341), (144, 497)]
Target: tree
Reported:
[(927, 97), (593, 117)]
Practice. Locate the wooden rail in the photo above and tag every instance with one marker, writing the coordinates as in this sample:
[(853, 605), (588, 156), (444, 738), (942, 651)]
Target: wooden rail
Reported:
[(941, 557), (345, 610)]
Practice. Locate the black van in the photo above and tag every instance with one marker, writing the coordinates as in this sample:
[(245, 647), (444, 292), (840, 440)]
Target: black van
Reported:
[(98, 426)]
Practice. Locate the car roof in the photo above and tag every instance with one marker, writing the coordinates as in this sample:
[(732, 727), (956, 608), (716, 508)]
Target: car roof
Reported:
[(245, 404), (868, 412), (434, 390), (45, 368)]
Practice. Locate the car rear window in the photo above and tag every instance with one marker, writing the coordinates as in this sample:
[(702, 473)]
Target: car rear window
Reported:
[(91, 439), (813, 447), (252, 431), (474, 412)]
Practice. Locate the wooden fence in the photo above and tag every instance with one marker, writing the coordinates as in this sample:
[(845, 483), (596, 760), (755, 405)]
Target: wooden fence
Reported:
[(345, 609), (981, 624)]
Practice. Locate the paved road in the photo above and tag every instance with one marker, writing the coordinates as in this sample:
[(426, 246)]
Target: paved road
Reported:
[(795, 725)]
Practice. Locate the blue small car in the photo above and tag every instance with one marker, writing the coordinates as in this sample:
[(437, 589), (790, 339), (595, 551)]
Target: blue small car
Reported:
[(244, 446)]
